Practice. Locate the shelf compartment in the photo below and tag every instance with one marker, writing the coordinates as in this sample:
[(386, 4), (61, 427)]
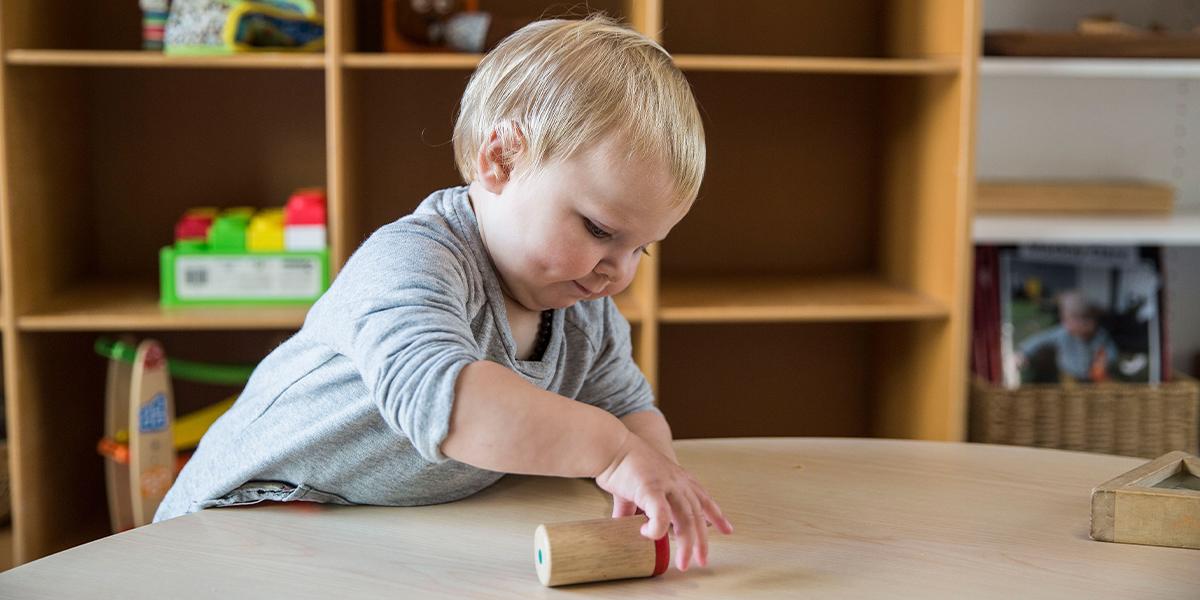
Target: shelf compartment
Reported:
[(68, 32), (72, 25), (741, 299), (820, 214), (817, 28), (767, 380), (386, 122), (98, 191), (61, 476), (133, 306), (365, 32), (807, 64), (846, 191), (149, 59)]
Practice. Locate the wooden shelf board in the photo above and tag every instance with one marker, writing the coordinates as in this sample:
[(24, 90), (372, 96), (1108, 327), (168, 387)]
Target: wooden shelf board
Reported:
[(628, 306), (432, 60), (1181, 228), (807, 64), (134, 306), (1124, 68), (713, 299), (151, 59), (695, 62)]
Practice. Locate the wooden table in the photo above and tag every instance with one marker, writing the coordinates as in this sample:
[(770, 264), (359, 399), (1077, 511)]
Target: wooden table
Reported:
[(817, 518)]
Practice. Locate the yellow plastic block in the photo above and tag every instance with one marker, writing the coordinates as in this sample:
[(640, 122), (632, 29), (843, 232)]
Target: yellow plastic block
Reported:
[(265, 233)]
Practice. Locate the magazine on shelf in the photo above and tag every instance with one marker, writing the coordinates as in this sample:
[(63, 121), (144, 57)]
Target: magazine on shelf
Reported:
[(1079, 313)]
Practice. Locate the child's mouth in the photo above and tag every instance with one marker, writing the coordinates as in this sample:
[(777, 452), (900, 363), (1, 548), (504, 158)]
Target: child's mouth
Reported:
[(586, 292)]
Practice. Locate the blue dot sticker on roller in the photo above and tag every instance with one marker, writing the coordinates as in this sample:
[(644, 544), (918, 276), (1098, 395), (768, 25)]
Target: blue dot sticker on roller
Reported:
[(152, 416), (539, 556)]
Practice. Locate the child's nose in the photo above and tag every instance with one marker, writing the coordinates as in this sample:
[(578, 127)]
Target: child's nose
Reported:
[(615, 270)]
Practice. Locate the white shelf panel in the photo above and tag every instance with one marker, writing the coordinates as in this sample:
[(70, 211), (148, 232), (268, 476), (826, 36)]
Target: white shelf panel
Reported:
[(1182, 228), (1120, 68)]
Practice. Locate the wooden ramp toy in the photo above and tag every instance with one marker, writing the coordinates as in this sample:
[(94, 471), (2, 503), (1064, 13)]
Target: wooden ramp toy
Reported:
[(140, 415), (139, 402)]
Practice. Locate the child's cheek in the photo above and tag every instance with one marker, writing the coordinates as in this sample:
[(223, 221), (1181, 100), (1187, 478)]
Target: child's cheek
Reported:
[(550, 259), (560, 256)]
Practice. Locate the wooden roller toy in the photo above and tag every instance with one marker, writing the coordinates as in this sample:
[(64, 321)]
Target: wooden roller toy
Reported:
[(597, 550)]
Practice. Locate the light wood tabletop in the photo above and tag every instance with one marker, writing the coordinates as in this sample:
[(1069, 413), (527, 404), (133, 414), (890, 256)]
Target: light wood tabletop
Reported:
[(814, 517)]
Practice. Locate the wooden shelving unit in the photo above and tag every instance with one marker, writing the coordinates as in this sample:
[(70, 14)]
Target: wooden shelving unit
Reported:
[(819, 286)]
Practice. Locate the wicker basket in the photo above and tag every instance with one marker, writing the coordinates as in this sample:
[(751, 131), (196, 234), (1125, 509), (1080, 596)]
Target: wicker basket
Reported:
[(1113, 418)]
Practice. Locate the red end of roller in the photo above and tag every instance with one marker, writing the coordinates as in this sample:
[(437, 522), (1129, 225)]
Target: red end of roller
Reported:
[(662, 555)]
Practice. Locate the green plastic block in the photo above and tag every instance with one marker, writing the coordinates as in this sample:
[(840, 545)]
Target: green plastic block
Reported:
[(228, 233)]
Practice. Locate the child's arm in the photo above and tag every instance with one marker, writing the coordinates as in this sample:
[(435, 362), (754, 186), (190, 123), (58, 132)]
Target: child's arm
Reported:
[(652, 427), (502, 422)]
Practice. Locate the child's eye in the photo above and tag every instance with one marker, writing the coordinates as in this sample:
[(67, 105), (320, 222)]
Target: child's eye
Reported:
[(595, 230), (643, 250)]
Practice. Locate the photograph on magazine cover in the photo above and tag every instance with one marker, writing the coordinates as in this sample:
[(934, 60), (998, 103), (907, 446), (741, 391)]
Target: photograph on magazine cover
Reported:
[(1079, 313)]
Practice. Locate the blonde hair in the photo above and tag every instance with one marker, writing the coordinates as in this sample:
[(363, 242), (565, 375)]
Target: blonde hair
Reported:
[(563, 84)]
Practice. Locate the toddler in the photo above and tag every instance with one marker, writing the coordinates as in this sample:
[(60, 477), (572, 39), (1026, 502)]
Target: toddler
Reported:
[(1081, 348), (477, 336)]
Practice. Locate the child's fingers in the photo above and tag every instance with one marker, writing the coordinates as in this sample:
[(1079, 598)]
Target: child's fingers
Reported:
[(714, 514), (685, 529), (660, 518), (701, 532), (623, 507)]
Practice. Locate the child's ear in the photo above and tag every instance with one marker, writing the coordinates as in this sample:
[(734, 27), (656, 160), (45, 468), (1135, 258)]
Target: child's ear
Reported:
[(494, 165)]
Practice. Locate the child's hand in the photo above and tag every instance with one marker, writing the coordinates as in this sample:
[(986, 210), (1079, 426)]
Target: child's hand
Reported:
[(640, 477)]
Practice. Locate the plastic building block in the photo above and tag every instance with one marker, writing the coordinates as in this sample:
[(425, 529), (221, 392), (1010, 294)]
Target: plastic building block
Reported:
[(304, 221), (265, 233), (240, 257), (192, 227), (228, 232)]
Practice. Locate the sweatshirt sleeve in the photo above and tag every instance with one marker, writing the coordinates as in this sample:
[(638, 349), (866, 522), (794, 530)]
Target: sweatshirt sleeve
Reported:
[(614, 382), (1040, 341), (398, 311)]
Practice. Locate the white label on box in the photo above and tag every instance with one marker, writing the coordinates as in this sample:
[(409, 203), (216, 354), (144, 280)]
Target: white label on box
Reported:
[(247, 277)]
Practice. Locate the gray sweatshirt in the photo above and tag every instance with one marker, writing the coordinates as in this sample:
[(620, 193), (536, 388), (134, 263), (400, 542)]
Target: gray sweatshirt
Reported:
[(353, 408)]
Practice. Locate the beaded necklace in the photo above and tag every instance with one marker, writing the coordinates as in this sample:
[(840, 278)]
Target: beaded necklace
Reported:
[(543, 335)]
